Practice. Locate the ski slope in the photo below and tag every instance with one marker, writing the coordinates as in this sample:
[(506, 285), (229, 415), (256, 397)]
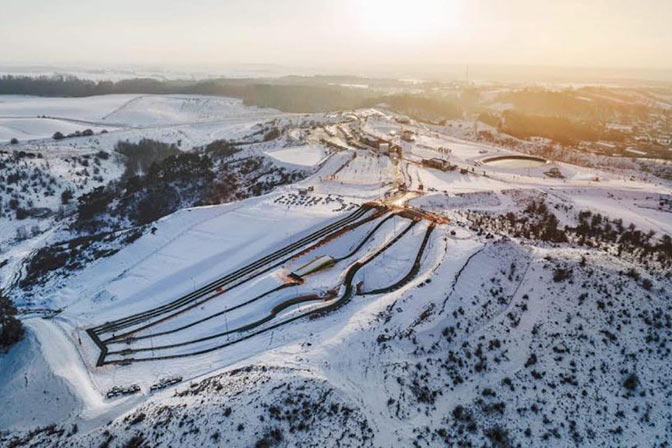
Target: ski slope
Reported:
[(434, 324)]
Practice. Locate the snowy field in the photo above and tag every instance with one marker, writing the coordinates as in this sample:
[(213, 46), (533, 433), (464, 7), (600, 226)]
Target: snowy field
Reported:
[(92, 109), (34, 118), (309, 155), (181, 109), (24, 129)]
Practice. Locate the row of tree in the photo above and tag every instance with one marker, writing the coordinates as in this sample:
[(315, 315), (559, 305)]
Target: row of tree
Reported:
[(289, 95), (289, 98), (538, 222)]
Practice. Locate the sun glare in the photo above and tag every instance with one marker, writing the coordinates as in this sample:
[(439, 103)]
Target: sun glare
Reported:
[(405, 20)]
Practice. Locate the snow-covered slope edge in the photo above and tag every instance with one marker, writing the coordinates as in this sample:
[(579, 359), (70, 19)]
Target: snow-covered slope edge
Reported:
[(487, 349)]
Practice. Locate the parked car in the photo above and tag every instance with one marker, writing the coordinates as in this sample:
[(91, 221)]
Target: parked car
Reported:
[(165, 382), (118, 391)]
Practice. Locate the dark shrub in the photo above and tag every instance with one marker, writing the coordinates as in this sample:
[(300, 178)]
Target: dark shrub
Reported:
[(561, 274), (221, 148), (66, 196), (94, 203), (11, 329), (158, 202), (21, 213), (631, 382), (272, 134), (140, 156)]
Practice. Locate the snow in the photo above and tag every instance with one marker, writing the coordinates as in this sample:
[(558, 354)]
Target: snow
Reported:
[(65, 362), (162, 117), (635, 151), (151, 110), (394, 263), (190, 248), (481, 304), (28, 378), (39, 128), (92, 109), (516, 164), (303, 156)]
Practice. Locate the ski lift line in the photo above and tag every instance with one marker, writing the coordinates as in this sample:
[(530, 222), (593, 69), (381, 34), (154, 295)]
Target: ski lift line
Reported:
[(219, 290), (274, 312), (102, 347), (103, 354), (413, 271), (347, 219), (239, 282), (315, 312), (366, 238), (110, 326), (120, 338)]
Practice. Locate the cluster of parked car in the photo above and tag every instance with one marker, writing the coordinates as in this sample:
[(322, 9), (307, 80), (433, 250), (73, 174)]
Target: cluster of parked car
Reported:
[(118, 391), (165, 382)]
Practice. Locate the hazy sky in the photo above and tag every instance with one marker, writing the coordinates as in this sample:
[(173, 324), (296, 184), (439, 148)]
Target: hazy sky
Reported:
[(338, 33)]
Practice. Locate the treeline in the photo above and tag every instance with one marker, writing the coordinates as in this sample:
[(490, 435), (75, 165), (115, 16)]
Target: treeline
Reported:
[(420, 107), (288, 98), (583, 104), (559, 129), (76, 87), (595, 229), (74, 254), (304, 97)]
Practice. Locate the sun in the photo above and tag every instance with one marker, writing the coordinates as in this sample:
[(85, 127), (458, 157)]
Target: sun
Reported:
[(413, 20)]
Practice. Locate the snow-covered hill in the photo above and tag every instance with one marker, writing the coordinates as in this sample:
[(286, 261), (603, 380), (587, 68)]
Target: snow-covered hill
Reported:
[(460, 303)]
